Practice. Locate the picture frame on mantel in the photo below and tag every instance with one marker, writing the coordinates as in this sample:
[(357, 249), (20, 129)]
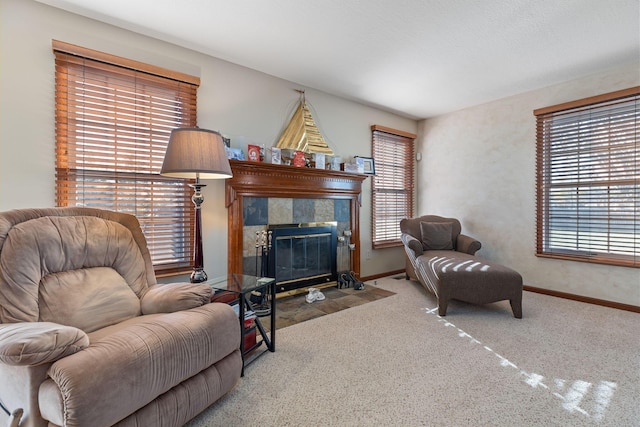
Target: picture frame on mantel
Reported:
[(369, 165)]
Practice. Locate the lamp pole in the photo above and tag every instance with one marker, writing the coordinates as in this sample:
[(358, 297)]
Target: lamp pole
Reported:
[(198, 275)]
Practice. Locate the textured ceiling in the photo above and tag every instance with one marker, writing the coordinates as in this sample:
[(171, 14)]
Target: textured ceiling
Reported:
[(418, 58)]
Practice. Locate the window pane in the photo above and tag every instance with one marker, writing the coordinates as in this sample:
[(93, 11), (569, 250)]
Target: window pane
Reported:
[(393, 184), (589, 179), (112, 128)]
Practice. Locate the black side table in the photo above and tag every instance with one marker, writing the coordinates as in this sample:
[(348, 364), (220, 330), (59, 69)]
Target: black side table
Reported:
[(243, 285)]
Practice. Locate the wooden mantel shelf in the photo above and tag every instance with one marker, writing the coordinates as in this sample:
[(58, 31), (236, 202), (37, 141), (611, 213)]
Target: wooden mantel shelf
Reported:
[(253, 179)]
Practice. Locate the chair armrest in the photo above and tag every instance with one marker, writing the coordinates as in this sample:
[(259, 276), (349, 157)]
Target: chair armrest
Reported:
[(467, 244), (172, 297), (412, 243), (36, 343)]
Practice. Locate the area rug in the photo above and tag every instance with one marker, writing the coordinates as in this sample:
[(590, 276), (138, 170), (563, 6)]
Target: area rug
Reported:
[(295, 309)]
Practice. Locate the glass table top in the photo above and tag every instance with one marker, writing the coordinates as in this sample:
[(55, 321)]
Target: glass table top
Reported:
[(239, 283)]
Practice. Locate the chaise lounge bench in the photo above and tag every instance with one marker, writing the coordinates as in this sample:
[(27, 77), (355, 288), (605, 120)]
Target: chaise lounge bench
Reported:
[(443, 261)]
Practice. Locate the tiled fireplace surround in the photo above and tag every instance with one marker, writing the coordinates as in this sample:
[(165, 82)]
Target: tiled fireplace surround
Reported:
[(260, 194)]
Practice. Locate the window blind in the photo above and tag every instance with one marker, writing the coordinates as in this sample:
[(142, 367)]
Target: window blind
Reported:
[(588, 179), (113, 121), (393, 184)]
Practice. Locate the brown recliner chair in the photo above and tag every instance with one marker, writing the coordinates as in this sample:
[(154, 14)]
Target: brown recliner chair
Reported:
[(442, 260), (87, 336)]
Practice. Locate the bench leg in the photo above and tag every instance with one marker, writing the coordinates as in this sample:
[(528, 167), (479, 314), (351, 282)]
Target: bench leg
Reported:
[(516, 306)]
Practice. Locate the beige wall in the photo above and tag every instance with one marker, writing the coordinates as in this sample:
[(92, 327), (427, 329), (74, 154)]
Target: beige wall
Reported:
[(243, 104), (479, 166)]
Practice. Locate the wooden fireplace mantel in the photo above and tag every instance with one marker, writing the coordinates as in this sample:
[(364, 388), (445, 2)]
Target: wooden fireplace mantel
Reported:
[(252, 179)]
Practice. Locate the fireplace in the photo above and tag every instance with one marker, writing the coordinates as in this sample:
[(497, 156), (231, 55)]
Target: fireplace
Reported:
[(261, 194), (302, 254)]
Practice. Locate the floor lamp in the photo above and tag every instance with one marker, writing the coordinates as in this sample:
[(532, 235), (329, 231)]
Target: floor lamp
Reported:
[(196, 153)]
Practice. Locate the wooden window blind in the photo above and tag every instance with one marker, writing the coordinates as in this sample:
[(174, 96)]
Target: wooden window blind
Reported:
[(588, 179), (113, 121), (393, 184)]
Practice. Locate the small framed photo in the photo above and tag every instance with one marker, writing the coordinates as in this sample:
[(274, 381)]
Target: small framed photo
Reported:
[(276, 156), (253, 153), (369, 165), (235, 153), (299, 159)]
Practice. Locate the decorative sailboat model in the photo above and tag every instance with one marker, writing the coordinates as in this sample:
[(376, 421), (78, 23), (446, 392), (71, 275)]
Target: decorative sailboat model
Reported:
[(302, 134)]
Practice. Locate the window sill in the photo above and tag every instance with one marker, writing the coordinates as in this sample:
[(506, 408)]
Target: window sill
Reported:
[(593, 260)]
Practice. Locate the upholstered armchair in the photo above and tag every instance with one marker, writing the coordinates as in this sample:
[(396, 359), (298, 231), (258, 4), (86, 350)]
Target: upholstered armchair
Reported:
[(89, 338)]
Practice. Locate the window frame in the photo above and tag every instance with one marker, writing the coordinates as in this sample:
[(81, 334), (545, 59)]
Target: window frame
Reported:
[(114, 117), (583, 152), (393, 152)]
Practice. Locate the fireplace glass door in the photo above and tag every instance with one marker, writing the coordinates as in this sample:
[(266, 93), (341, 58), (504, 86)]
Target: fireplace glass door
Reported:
[(303, 254)]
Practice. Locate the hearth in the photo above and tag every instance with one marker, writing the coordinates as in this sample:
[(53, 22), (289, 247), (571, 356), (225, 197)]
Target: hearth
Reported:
[(303, 254)]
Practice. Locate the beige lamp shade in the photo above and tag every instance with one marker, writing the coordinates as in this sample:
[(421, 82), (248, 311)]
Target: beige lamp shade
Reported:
[(196, 153)]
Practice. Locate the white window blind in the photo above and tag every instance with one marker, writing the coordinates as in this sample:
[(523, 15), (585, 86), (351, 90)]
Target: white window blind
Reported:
[(113, 121), (588, 179), (393, 184)]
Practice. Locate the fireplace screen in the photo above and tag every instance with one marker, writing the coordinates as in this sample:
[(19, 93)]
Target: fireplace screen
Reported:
[(303, 254)]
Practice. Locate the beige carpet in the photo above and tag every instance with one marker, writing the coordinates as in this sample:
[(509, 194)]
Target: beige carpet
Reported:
[(395, 362)]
